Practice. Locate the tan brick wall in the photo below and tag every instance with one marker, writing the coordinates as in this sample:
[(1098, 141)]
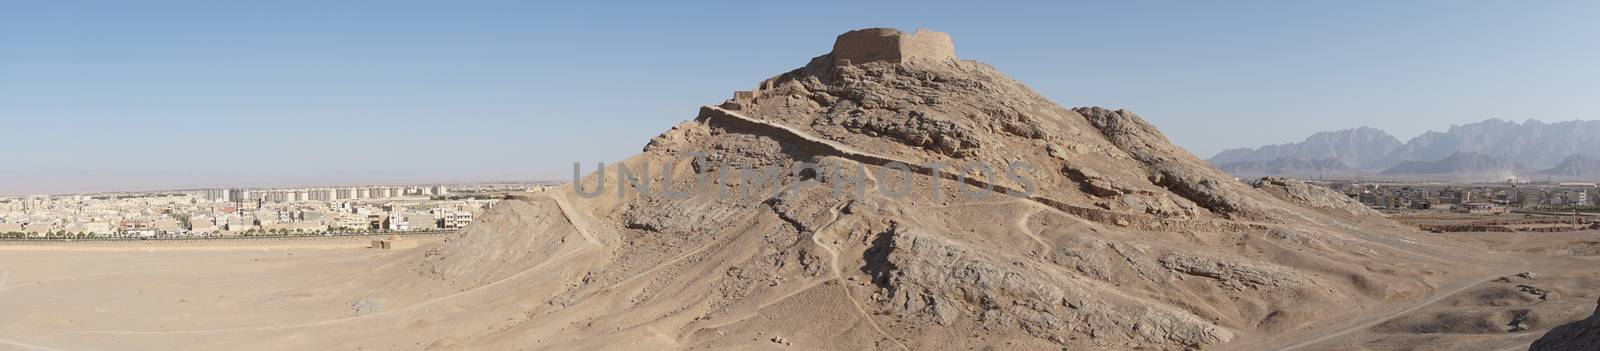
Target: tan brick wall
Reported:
[(892, 45)]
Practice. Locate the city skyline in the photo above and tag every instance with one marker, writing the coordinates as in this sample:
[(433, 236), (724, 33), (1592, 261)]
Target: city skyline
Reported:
[(290, 187), (112, 97), (215, 213)]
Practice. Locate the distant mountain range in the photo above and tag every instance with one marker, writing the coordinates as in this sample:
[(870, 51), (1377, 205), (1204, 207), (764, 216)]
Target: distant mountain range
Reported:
[(1288, 166), (1532, 143), (1575, 166), (1352, 147), (1489, 150), (1461, 164)]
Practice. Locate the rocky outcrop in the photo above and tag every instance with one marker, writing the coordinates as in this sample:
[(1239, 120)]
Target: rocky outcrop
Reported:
[(688, 215), (1581, 335), (941, 281), (1233, 274), (1095, 183), (1312, 196), (1197, 182)]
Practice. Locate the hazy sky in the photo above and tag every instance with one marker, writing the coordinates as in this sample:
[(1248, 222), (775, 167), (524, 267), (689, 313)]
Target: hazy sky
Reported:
[(118, 94)]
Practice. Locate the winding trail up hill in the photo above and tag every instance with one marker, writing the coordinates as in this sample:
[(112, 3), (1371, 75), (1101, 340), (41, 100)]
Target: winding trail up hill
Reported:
[(1109, 236)]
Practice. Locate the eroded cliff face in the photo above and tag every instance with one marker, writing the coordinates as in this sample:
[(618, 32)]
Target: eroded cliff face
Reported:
[(1109, 236)]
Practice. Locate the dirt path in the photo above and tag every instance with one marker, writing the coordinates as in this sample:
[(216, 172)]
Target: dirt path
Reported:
[(581, 224), (27, 346), (1329, 335), (1022, 223), (873, 159), (667, 263), (408, 308), (778, 130), (838, 275), (757, 310), (1384, 318)]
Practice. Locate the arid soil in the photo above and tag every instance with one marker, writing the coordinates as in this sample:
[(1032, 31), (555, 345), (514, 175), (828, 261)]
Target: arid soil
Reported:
[(1561, 285), (125, 295), (312, 293)]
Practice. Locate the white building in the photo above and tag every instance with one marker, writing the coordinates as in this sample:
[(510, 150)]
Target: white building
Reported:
[(397, 221), (455, 219)]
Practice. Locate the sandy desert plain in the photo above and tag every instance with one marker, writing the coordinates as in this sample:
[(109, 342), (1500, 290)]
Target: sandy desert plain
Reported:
[(322, 293), (153, 295)]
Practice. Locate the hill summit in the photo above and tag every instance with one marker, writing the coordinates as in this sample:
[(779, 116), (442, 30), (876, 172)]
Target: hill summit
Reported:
[(892, 45)]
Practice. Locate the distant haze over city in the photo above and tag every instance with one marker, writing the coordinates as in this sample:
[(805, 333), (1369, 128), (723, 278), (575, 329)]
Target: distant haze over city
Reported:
[(139, 96)]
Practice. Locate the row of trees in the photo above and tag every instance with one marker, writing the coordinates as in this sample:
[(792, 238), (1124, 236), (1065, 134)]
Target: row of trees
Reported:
[(62, 234), (329, 231), (1565, 208), (288, 232), (468, 197)]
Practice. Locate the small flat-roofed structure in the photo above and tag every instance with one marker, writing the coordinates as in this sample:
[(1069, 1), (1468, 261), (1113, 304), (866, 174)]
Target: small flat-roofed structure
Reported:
[(393, 242)]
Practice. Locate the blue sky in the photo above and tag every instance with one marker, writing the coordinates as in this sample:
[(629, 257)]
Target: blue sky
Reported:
[(161, 94)]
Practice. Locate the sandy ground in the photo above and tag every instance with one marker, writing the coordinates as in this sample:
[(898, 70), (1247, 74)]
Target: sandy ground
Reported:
[(1566, 265), (292, 293), (51, 292), (1504, 310)]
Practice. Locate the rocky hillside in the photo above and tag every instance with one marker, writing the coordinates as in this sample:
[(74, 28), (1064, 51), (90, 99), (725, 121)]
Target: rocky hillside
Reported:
[(1576, 166), (1460, 163), (1296, 167), (876, 231), (1353, 148), (1581, 335)]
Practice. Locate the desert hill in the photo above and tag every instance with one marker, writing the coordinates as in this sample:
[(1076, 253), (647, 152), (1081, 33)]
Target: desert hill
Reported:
[(1110, 237), (1462, 166), (1575, 166)]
